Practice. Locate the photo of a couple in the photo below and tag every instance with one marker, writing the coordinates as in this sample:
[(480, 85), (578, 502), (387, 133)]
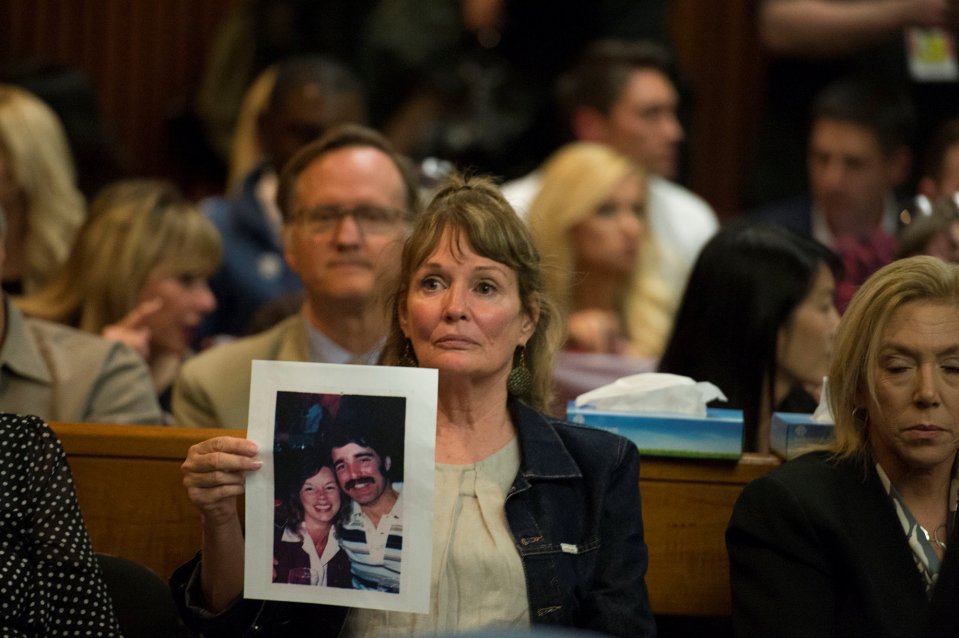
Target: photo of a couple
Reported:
[(338, 479)]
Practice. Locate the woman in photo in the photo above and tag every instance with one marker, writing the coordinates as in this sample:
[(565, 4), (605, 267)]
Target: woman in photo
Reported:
[(305, 548)]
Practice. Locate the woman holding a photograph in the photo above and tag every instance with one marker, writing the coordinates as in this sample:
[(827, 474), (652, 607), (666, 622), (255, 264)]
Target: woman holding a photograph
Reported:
[(535, 521), (305, 546)]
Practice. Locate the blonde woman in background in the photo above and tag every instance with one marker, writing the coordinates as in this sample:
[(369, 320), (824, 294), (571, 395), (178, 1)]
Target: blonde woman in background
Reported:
[(246, 153), (137, 274), (589, 223), (38, 190)]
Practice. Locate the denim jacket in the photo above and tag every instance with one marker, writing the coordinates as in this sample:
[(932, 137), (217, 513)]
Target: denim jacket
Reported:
[(574, 510)]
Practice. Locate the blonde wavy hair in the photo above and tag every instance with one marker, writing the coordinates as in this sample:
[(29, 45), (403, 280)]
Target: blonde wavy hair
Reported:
[(34, 143), (859, 339), (136, 229), (245, 150), (576, 180)]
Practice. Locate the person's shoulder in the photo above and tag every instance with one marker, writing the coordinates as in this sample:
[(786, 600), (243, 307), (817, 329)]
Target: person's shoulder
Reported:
[(588, 445), (794, 213), (521, 192), (262, 345), (586, 435), (27, 442), (817, 473), (678, 197), (19, 431), (83, 348)]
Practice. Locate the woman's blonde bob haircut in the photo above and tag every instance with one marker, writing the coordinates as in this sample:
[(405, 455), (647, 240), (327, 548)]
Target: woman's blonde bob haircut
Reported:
[(137, 229), (852, 376), (577, 179), (478, 217), (34, 144)]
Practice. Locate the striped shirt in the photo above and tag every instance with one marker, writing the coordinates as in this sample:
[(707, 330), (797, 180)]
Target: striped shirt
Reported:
[(374, 552)]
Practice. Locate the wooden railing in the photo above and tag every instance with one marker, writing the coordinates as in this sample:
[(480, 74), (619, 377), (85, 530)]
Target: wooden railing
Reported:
[(686, 506), (130, 490)]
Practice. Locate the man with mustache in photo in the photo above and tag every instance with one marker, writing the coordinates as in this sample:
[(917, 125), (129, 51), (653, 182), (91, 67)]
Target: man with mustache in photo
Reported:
[(372, 527)]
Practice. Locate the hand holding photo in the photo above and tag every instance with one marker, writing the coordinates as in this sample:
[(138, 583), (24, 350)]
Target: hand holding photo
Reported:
[(344, 501)]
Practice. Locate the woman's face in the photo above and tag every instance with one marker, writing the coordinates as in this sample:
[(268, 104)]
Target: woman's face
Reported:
[(914, 419), (463, 313), (185, 300), (320, 497), (804, 344), (608, 241)]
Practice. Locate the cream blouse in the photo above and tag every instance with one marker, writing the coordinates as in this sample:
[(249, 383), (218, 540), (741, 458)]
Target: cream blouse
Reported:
[(477, 576)]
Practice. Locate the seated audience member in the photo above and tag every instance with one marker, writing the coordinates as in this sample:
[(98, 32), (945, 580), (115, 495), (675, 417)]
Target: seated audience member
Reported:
[(812, 43), (347, 200), (858, 154), (246, 151), (935, 232), (63, 374), (566, 549), (620, 93), (932, 227), (305, 542), (309, 95), (137, 274), (589, 223), (52, 582), (852, 540), (38, 190), (757, 320), (940, 173)]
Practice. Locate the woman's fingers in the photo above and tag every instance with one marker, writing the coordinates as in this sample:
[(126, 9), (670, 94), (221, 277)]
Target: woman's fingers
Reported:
[(222, 454), (136, 317), (214, 472)]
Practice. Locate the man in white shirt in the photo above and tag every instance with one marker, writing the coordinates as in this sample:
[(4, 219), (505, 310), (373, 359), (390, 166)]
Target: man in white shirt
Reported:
[(347, 201), (619, 93)]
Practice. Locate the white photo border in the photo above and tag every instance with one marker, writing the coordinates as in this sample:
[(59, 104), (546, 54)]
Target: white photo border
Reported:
[(419, 387)]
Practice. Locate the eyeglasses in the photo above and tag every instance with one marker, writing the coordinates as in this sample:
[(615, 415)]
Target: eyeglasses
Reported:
[(372, 219)]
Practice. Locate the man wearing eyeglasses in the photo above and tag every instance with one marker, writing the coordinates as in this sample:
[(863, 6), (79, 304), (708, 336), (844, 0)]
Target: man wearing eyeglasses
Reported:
[(347, 202)]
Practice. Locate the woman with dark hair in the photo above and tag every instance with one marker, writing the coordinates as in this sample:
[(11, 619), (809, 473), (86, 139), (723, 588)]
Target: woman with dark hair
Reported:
[(757, 319), (305, 546)]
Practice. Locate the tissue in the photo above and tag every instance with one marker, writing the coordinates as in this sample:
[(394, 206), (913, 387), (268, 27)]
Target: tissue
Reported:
[(823, 413), (652, 392)]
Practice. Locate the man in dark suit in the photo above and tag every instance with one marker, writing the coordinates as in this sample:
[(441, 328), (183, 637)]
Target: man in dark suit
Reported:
[(858, 154)]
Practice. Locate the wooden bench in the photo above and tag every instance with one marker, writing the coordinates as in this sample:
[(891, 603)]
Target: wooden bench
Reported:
[(130, 490), (686, 506)]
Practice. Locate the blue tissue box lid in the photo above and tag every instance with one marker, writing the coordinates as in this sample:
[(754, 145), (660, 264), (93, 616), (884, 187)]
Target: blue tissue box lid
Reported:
[(719, 435), (791, 433)]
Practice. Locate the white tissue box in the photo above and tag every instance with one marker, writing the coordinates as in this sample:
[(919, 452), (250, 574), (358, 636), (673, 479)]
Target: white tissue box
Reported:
[(718, 435), (791, 434)]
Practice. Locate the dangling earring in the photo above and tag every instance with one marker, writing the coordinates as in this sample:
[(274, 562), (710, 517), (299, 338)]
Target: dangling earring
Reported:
[(408, 358), (861, 415), (520, 380)]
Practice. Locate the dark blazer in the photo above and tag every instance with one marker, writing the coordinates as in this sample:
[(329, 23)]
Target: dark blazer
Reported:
[(816, 549), (794, 214)]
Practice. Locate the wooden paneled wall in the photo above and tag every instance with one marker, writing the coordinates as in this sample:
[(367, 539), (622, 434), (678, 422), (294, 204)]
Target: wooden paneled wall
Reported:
[(145, 58), (719, 53)]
